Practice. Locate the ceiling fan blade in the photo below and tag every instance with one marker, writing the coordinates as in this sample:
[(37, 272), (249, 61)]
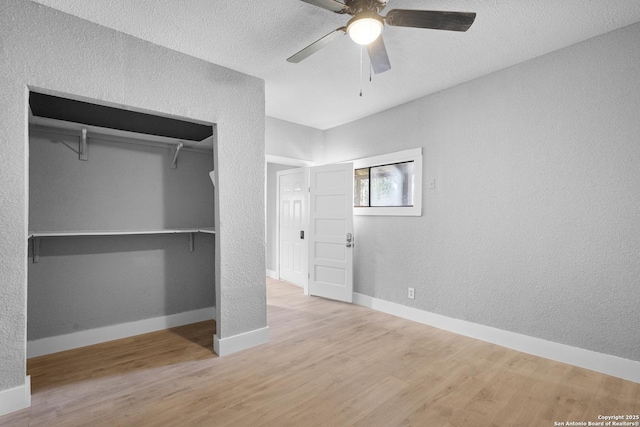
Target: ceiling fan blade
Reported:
[(378, 56), (451, 21), (315, 46), (332, 5)]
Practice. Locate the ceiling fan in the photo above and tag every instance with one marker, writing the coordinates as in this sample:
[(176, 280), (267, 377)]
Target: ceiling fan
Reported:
[(365, 28)]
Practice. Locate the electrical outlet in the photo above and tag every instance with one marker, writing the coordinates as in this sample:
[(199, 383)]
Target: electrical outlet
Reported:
[(411, 293)]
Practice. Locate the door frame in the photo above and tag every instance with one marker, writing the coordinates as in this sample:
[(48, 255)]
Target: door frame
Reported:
[(289, 161), (302, 165)]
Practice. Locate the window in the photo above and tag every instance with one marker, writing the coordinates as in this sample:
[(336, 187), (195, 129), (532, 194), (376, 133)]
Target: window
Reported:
[(389, 184), (385, 185)]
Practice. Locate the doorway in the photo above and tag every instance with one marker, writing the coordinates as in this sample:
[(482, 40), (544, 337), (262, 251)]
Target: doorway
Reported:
[(121, 223), (274, 165), (316, 253), (292, 225)]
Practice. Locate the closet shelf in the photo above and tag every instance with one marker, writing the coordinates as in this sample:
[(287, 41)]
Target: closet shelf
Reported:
[(209, 230), (36, 235)]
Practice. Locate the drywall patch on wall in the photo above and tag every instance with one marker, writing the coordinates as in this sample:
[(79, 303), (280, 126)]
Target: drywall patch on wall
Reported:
[(532, 227), (105, 66)]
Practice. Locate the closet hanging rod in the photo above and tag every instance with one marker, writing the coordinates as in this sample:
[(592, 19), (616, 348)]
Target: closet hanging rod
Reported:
[(105, 137)]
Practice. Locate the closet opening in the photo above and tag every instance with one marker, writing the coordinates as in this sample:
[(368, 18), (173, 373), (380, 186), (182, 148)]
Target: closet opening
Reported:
[(121, 224)]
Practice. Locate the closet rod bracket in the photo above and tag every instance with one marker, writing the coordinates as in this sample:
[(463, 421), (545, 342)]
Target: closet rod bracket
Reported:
[(82, 146), (35, 250), (174, 162)]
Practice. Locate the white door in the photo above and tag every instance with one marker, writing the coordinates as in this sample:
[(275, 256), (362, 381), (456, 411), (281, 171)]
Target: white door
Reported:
[(292, 256), (331, 231)]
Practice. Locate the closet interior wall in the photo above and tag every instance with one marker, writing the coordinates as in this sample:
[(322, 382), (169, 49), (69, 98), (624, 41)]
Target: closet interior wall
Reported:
[(86, 282)]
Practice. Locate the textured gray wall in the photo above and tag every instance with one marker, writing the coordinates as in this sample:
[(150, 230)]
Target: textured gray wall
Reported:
[(89, 282), (121, 187), (533, 225), (83, 283), (109, 67)]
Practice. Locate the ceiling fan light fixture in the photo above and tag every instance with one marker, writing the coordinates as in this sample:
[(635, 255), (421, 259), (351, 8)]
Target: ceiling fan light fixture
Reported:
[(364, 30)]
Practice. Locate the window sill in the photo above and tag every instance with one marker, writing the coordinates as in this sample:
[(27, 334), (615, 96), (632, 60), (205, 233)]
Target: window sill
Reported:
[(388, 211)]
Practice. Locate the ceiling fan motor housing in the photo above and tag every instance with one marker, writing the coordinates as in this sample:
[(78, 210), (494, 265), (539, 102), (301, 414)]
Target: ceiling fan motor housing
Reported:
[(357, 7)]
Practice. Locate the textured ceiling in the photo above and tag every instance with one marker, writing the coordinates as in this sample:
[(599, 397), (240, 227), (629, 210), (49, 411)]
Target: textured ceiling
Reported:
[(257, 36)]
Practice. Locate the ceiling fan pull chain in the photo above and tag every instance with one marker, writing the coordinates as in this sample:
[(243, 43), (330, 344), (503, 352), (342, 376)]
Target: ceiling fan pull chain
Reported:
[(361, 49)]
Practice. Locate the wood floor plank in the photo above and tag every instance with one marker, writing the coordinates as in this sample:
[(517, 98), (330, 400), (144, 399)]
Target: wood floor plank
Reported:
[(327, 364)]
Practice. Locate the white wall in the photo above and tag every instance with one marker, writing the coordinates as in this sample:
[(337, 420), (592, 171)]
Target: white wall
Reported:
[(533, 225), (286, 139), (60, 54)]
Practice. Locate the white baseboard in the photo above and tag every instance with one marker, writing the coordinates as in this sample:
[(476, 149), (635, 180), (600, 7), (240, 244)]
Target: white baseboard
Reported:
[(272, 274), (50, 345), (599, 362), (225, 346), (17, 398)]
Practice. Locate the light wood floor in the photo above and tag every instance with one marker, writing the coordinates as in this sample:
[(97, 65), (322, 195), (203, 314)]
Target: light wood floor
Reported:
[(328, 364)]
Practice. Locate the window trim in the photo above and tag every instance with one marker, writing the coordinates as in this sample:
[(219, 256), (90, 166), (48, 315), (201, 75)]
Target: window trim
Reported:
[(414, 155)]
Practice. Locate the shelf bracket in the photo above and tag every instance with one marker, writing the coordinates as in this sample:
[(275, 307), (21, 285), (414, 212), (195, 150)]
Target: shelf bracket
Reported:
[(82, 146), (191, 244), (212, 175), (174, 162), (35, 249)]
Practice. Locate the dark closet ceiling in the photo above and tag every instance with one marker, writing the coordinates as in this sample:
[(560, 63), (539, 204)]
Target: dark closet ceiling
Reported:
[(68, 110)]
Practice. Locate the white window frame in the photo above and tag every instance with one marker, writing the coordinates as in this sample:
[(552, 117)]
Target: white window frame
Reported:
[(415, 156)]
